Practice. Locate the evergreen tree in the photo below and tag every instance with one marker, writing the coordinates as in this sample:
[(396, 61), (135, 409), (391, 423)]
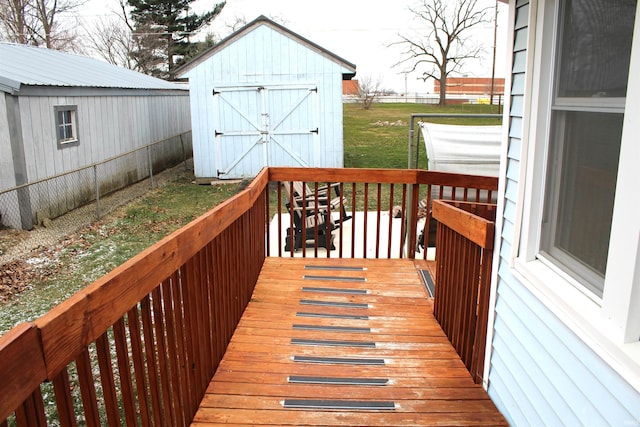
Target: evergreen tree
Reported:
[(162, 32)]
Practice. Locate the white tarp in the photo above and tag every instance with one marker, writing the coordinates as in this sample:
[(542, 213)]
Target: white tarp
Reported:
[(473, 150)]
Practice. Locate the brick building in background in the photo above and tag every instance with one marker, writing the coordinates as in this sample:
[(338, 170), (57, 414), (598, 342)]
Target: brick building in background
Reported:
[(471, 86)]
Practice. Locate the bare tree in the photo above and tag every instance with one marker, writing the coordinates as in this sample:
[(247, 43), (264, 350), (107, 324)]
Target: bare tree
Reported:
[(40, 22), (239, 21), (111, 40), (368, 90), (16, 19), (446, 44)]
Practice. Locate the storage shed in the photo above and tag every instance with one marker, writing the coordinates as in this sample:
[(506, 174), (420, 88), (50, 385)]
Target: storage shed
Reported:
[(62, 116), (265, 96)]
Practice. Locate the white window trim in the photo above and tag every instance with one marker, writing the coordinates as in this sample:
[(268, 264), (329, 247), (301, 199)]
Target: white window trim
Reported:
[(609, 325), (74, 125)]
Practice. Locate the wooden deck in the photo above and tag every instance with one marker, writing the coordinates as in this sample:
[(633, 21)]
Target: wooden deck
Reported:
[(372, 354)]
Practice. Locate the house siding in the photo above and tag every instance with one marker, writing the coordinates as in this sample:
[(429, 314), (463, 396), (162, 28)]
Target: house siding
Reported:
[(540, 372), (264, 57)]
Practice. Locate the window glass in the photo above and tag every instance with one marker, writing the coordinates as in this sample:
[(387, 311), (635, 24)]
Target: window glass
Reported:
[(585, 133), (66, 125), (595, 48), (583, 165)]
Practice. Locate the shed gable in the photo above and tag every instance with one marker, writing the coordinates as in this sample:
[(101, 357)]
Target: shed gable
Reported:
[(263, 33)]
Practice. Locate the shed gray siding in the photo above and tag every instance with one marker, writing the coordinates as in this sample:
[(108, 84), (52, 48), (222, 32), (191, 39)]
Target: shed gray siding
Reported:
[(110, 122), (266, 56), (541, 373), (7, 173), (107, 126)]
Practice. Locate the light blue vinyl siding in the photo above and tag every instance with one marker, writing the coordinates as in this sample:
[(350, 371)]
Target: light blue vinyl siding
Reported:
[(541, 373)]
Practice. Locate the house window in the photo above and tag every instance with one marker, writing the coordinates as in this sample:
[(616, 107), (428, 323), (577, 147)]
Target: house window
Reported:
[(577, 244), (589, 82), (66, 125), (577, 241)]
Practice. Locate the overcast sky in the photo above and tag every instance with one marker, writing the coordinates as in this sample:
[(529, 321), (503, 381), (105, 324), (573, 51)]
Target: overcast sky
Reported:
[(359, 31)]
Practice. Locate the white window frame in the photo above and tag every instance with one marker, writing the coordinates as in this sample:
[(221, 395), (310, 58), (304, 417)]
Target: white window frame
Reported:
[(68, 142), (610, 325)]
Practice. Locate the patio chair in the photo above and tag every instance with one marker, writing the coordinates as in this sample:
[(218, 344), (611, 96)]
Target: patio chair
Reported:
[(324, 197), (311, 222)]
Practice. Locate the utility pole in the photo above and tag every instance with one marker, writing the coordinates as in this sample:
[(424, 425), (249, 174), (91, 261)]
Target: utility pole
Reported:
[(493, 65), (406, 95)]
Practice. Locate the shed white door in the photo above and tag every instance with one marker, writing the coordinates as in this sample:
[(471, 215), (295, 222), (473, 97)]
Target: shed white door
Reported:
[(270, 125)]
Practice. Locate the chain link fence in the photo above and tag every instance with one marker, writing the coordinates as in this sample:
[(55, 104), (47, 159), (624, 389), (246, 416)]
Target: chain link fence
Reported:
[(38, 202)]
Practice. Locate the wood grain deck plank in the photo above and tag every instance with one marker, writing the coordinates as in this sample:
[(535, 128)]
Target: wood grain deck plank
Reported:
[(261, 402), (220, 416), (426, 379)]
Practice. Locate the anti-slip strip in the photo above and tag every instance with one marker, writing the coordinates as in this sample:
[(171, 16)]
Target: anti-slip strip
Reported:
[(343, 329), (333, 316), (333, 267), (335, 278), (335, 290), (332, 343), (338, 360), (333, 303), (299, 379), (339, 404)]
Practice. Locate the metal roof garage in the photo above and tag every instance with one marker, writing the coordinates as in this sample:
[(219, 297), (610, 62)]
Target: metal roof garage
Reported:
[(265, 96)]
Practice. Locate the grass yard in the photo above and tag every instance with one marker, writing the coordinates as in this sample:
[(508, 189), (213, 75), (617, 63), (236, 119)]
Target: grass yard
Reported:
[(54, 274), (51, 275), (379, 137)]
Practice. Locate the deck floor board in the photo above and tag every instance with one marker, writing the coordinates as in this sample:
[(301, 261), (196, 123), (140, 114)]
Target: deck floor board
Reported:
[(425, 379)]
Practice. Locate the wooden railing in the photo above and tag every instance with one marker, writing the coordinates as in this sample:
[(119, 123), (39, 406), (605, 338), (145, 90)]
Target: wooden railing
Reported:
[(465, 251), (375, 192), (140, 345)]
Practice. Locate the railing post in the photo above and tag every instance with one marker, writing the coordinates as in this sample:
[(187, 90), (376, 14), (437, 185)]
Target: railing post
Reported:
[(412, 220)]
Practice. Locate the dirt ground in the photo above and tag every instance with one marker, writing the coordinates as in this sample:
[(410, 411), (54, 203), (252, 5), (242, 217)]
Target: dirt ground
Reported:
[(23, 253)]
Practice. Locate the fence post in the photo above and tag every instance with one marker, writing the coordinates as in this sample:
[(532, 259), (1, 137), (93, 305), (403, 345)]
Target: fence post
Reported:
[(150, 167), (184, 154), (410, 148), (97, 187)]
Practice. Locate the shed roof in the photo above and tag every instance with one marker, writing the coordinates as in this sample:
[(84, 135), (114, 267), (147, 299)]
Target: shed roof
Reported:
[(36, 66), (263, 20)]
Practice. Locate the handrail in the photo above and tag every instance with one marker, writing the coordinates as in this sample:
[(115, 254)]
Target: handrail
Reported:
[(152, 332), (463, 270), (167, 315)]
